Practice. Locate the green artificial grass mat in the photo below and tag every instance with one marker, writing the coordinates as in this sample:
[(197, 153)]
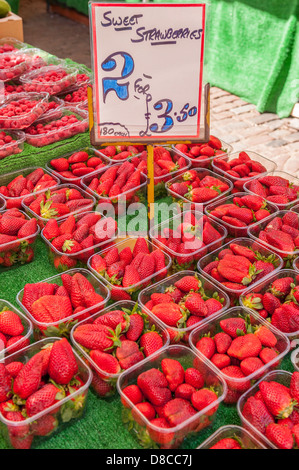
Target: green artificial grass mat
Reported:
[(101, 426)]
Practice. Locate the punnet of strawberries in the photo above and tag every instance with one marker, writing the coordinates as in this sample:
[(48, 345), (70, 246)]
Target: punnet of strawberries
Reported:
[(231, 437), (18, 111), (56, 304), (70, 124), (57, 203), (121, 152), (197, 186), (115, 340), (271, 409), (15, 186), (118, 184), (242, 346), (277, 300), (15, 329), (278, 187), (202, 154), (75, 239), (170, 396), (130, 266), (182, 301), (77, 164), (51, 79), (41, 387), (11, 143), (242, 166), (280, 233), (239, 211), (239, 264), (187, 237), (17, 237)]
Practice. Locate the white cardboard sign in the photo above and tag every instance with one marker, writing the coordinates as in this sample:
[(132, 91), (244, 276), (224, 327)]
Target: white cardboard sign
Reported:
[(148, 68)]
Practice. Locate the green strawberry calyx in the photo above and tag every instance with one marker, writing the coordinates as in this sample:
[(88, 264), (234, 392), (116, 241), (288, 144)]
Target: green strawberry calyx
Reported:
[(45, 210)]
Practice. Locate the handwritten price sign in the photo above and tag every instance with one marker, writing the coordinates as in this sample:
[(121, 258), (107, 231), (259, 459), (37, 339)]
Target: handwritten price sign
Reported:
[(148, 67)]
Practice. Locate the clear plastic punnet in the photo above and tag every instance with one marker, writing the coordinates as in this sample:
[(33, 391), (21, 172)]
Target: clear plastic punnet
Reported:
[(205, 162), (263, 287), (293, 181), (31, 431), (25, 119), (242, 437), (116, 290), (262, 252), (254, 231), (63, 261), (184, 261), (282, 377), (63, 327), (234, 230), (71, 123), (18, 252), (202, 173), (13, 64), (34, 81), (69, 178), (2, 203), (237, 181), (8, 177), (26, 202), (23, 339), (153, 436), (55, 106), (104, 383), (15, 146), (237, 386), (11, 45), (180, 334)]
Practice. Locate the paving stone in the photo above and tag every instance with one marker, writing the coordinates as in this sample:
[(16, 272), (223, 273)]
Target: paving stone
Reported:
[(277, 143), (264, 118), (294, 137), (243, 109), (294, 122)]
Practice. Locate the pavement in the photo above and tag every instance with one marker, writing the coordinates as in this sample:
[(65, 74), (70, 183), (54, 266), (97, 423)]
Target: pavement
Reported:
[(233, 120)]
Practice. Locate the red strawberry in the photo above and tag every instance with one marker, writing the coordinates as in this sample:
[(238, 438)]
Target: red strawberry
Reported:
[(251, 365), (177, 411), (114, 318), (128, 354), (173, 372), (227, 443), (245, 346), (5, 383), (270, 302), (62, 363), (194, 377), (277, 399), (154, 387), (282, 286), (267, 355), (203, 398), (140, 247), (223, 342), (294, 386), (236, 373), (256, 412), (206, 346), (105, 362), (43, 398), (188, 283), (169, 313), (96, 337), (10, 323), (233, 326), (29, 377), (133, 393), (266, 337), (196, 305), (146, 409), (44, 425), (150, 341), (280, 436)]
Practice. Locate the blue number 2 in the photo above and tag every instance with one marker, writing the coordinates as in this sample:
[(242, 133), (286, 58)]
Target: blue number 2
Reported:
[(111, 84)]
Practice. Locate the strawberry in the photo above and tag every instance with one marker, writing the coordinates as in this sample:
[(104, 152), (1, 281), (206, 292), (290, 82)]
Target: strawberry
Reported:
[(140, 247), (270, 302), (150, 341), (50, 308), (29, 228), (164, 439), (282, 286), (146, 267), (280, 436), (188, 283), (266, 337), (105, 362), (128, 354), (177, 411), (173, 372), (206, 346), (245, 346), (19, 436), (5, 383), (221, 360), (43, 398), (131, 276), (99, 264), (44, 426), (133, 393), (13, 368), (114, 318), (203, 398), (251, 365), (62, 363), (194, 377), (184, 391), (169, 313), (146, 409), (223, 342), (201, 195), (277, 399), (227, 443), (294, 386), (256, 412), (233, 326), (213, 306), (154, 386), (28, 379), (51, 229), (10, 323), (236, 373), (267, 355), (196, 305)]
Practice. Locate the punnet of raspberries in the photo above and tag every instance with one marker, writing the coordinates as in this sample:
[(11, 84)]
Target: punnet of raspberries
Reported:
[(187, 238), (277, 300), (76, 96), (242, 166), (239, 264), (202, 154), (26, 181), (75, 239), (183, 301), (280, 233), (278, 187), (15, 329), (18, 111), (41, 134), (12, 65), (11, 143), (231, 437), (239, 211), (170, 396), (53, 110), (17, 236), (55, 306), (46, 379), (241, 346), (6, 47), (115, 340), (197, 186), (270, 408), (129, 266), (77, 164), (13, 88), (52, 79), (57, 203)]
